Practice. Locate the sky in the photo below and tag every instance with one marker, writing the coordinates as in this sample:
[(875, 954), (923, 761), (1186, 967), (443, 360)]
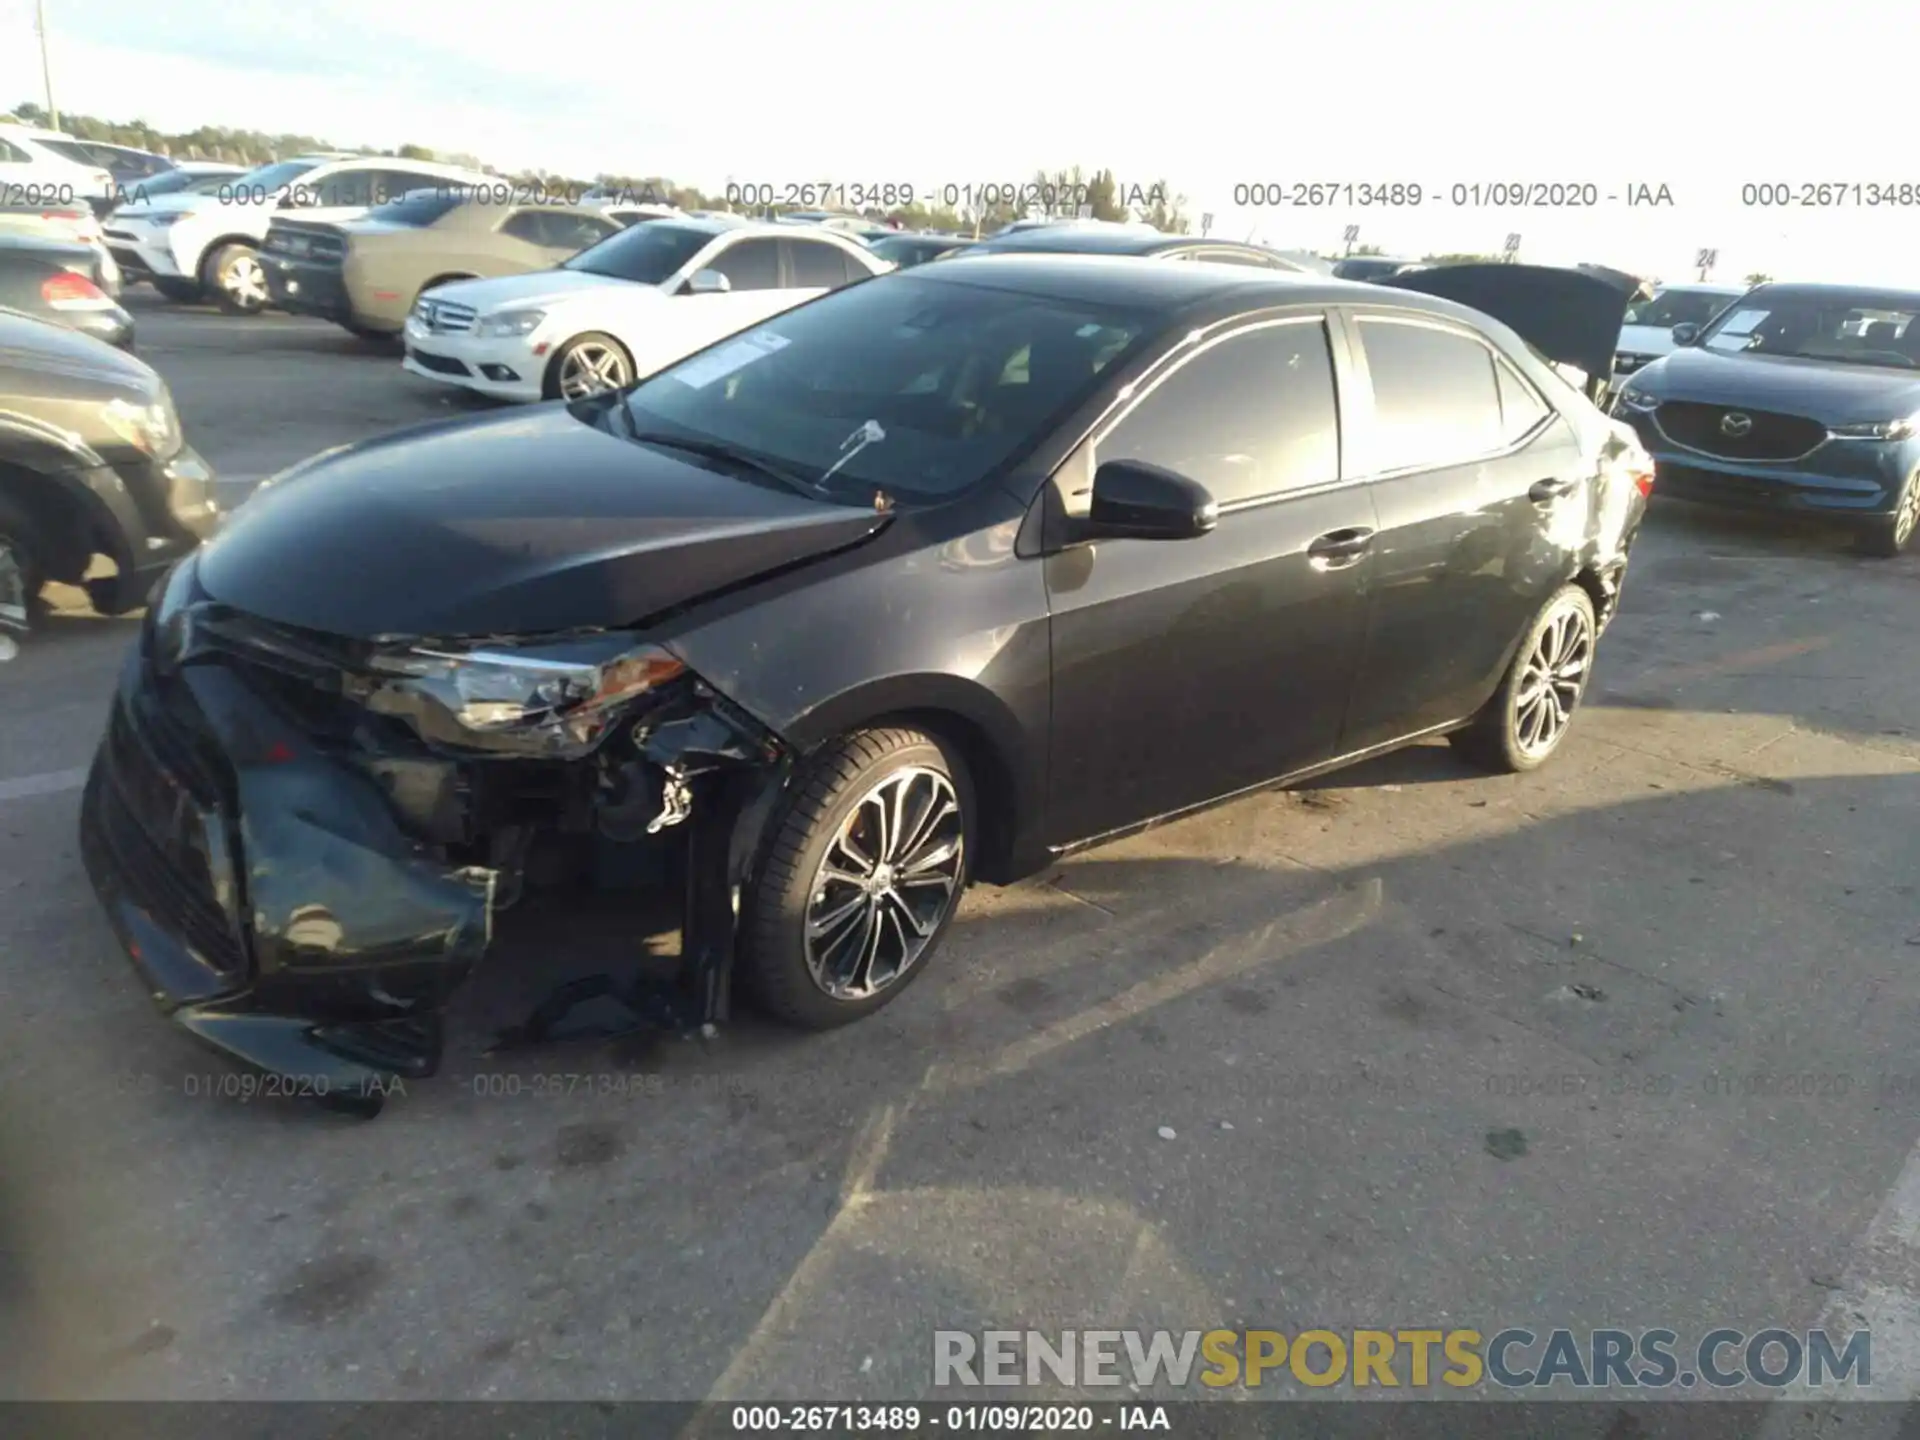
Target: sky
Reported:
[(1479, 93)]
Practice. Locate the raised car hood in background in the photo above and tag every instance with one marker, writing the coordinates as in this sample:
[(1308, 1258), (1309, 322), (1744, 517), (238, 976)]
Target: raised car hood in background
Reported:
[(523, 523), (1572, 317)]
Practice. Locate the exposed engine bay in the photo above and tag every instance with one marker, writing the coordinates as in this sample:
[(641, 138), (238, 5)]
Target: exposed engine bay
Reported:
[(359, 812)]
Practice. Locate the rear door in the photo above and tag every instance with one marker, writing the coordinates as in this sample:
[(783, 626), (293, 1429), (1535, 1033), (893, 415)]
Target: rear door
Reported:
[(1185, 670), (1481, 497)]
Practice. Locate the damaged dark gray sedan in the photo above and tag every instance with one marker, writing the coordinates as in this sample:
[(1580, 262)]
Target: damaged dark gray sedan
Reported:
[(927, 582)]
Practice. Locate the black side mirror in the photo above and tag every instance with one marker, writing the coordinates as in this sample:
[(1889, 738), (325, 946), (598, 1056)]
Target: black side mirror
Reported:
[(1685, 333), (1133, 500)]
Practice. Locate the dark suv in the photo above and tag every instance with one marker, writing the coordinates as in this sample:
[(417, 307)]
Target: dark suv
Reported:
[(92, 462)]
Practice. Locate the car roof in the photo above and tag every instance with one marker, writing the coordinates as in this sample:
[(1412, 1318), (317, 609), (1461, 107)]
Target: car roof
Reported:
[(1122, 280), (1092, 239), (1701, 288), (736, 225), (1865, 297)]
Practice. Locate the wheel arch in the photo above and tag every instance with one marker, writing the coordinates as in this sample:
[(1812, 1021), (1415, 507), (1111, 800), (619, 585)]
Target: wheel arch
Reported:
[(999, 753), (60, 514)]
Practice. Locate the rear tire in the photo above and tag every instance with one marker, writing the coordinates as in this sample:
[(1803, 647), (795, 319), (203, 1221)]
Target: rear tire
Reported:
[(1522, 726), (23, 569), (237, 280), (1889, 535), (184, 292), (864, 869)]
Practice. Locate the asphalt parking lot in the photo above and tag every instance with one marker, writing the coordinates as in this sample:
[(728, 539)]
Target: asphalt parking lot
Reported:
[(1626, 1042)]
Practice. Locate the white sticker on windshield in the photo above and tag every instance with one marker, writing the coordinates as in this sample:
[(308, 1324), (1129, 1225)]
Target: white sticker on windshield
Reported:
[(718, 364), (1087, 331)]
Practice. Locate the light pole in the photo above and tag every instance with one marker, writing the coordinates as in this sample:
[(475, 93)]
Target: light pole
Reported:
[(46, 68)]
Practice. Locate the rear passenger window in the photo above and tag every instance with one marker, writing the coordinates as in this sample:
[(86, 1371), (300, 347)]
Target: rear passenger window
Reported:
[(1435, 399), (817, 266), (1252, 416), (1520, 408)]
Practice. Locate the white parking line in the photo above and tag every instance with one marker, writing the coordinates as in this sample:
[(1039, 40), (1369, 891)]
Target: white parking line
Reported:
[(28, 787)]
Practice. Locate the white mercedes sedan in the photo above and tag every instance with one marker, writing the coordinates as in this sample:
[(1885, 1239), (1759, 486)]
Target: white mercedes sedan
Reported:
[(624, 308)]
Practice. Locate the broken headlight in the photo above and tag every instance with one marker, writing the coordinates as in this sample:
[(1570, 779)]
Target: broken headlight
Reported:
[(554, 700)]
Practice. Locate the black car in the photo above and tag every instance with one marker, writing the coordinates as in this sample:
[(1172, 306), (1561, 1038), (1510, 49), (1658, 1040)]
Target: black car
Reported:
[(906, 250), (64, 284), (92, 462), (1370, 267), (1796, 399), (928, 581), (1069, 238)]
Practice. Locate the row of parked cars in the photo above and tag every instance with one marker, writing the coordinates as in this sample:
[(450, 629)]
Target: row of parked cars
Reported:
[(841, 600)]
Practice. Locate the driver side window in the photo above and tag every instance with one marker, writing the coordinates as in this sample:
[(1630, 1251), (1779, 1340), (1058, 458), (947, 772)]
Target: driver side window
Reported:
[(1253, 415)]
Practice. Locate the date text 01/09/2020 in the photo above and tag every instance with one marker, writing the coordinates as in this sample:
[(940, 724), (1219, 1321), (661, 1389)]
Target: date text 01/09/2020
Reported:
[(1460, 194), (954, 195)]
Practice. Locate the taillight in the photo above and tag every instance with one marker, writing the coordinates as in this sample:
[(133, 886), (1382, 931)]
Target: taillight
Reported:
[(67, 291), (1642, 477)]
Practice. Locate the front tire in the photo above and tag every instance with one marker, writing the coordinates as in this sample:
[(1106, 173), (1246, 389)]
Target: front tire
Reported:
[(589, 364), (864, 869), (236, 278), (1523, 724), (1890, 535)]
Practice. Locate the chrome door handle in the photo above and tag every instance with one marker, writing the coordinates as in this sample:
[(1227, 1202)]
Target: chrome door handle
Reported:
[(1338, 549)]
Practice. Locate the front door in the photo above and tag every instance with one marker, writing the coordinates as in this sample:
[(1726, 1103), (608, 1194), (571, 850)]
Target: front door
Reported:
[(1184, 670)]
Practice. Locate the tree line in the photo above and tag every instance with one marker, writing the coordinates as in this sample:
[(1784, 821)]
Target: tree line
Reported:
[(1095, 193)]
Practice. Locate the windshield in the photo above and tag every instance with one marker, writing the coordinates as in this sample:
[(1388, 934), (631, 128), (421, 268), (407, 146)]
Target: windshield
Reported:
[(417, 207), (1678, 307), (1858, 329), (647, 254), (934, 386)]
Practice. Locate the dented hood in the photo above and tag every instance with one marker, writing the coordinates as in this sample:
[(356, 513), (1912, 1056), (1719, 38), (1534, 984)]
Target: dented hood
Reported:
[(1573, 317), (528, 522)]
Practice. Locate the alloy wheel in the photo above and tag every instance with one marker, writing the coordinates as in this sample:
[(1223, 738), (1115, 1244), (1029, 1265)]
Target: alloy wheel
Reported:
[(1551, 684), (885, 884), (246, 281), (591, 368)]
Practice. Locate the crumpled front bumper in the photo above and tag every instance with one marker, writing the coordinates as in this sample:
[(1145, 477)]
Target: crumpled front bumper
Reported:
[(264, 889)]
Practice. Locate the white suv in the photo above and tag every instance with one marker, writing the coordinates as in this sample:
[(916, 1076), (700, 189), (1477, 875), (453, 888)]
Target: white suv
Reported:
[(193, 244), (31, 173)]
